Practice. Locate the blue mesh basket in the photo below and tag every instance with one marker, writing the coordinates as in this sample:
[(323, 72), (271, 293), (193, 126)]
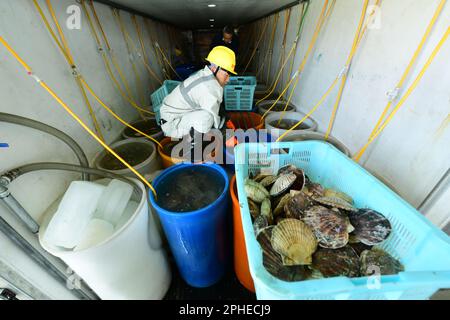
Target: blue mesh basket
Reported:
[(423, 249), (158, 96), (239, 92)]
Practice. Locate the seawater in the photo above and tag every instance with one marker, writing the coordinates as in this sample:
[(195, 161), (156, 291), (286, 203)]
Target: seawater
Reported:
[(190, 189)]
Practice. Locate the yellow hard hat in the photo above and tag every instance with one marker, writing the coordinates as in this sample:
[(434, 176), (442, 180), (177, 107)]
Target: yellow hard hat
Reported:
[(223, 57)]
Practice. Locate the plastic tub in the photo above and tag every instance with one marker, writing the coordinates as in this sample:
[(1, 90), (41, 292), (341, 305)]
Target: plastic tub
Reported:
[(319, 136), (148, 126), (423, 249), (279, 107), (198, 239), (131, 264), (240, 251), (271, 120), (246, 120), (140, 153), (167, 160)]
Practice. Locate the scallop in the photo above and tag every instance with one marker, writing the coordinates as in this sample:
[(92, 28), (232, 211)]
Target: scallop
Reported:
[(273, 263), (337, 262), (371, 227), (294, 241), (282, 184), (297, 205), (255, 191), (378, 261), (331, 227)]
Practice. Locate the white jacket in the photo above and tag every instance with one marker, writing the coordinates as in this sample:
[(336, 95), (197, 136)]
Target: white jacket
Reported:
[(194, 103)]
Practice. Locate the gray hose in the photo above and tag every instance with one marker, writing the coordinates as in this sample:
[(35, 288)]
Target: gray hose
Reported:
[(11, 118), (13, 174), (40, 259)]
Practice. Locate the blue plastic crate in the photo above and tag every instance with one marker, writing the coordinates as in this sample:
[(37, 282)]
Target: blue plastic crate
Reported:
[(422, 248), (158, 96), (239, 92)]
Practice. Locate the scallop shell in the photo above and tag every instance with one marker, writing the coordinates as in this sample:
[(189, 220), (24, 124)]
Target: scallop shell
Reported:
[(294, 241), (337, 262), (331, 193), (314, 189), (299, 173), (279, 210), (371, 227), (260, 223), (331, 227), (268, 181), (282, 184), (377, 261), (266, 210), (254, 208), (296, 207), (273, 263), (359, 247), (255, 191), (335, 203)]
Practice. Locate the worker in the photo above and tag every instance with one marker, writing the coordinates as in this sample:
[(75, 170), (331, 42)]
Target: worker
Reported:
[(194, 106), (226, 38)]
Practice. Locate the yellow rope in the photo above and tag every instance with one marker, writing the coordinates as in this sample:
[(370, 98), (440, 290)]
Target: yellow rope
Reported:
[(358, 36), (312, 110), (256, 47), (128, 97), (156, 53), (412, 62), (293, 50), (406, 95), (115, 115), (72, 114), (63, 46), (271, 47), (312, 43), (355, 44), (287, 20)]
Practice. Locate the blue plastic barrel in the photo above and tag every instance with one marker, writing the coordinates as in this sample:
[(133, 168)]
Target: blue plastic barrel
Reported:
[(199, 240)]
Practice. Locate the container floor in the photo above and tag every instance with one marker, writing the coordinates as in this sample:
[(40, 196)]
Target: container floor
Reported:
[(228, 288)]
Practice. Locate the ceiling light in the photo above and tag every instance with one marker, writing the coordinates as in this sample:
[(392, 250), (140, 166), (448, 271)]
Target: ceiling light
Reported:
[(211, 5), (212, 20), (212, 26)]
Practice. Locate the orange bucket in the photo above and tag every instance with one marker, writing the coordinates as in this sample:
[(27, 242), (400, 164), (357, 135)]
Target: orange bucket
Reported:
[(244, 121), (167, 160), (240, 251)]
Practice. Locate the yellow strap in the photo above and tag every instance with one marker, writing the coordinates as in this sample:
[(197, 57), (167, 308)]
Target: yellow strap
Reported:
[(115, 115), (256, 47), (271, 50), (127, 96), (412, 62), (406, 95), (66, 52), (358, 37), (73, 115), (320, 22), (287, 20), (129, 41), (97, 20), (312, 110), (156, 53)]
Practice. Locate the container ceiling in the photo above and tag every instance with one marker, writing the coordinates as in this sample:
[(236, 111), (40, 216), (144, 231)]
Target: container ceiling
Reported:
[(195, 14)]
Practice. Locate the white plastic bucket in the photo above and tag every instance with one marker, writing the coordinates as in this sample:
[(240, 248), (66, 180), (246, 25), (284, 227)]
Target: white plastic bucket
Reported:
[(150, 163), (308, 125), (264, 106), (129, 265), (129, 133)]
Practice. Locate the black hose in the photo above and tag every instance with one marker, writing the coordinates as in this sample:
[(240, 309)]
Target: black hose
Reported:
[(11, 118)]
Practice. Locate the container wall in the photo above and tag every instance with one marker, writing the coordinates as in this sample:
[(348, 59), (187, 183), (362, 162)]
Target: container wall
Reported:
[(22, 27), (412, 153)]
